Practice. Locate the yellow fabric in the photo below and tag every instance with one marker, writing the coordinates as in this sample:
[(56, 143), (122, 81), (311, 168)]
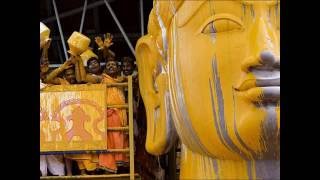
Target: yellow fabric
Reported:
[(115, 96), (63, 81), (116, 118), (85, 161), (89, 162), (86, 164), (73, 117), (85, 56)]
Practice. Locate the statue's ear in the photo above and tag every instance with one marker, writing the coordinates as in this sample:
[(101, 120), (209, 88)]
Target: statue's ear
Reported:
[(161, 133), (146, 55)]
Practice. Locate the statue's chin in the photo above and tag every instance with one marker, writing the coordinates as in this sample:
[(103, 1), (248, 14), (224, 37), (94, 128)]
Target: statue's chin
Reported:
[(252, 132)]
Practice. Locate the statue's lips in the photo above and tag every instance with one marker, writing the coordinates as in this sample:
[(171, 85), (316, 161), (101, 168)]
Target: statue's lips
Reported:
[(262, 82), (263, 94), (264, 89)]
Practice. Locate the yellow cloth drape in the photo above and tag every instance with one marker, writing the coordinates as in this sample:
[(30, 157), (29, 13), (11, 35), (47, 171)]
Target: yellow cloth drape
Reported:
[(72, 118), (116, 118)]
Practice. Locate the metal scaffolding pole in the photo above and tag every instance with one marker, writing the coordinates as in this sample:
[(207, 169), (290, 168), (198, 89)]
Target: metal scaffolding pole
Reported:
[(141, 17), (74, 11), (60, 30), (120, 27), (83, 15)]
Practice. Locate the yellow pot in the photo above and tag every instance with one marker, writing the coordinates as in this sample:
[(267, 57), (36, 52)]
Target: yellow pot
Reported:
[(44, 32), (78, 43)]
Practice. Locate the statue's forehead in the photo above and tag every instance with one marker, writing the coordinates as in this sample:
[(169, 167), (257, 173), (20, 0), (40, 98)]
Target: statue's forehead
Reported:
[(190, 8), (209, 7)]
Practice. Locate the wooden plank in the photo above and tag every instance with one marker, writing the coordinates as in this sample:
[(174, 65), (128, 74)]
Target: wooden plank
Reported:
[(86, 152), (119, 150), (119, 106), (105, 176), (117, 84), (126, 128)]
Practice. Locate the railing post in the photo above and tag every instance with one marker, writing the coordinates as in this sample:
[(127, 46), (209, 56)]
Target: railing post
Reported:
[(131, 142)]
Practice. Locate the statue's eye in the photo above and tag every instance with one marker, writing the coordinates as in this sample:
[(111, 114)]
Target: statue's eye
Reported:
[(221, 25), (209, 29)]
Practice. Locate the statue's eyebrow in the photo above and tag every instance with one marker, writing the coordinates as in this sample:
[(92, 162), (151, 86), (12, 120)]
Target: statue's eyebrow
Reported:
[(193, 6), (251, 2)]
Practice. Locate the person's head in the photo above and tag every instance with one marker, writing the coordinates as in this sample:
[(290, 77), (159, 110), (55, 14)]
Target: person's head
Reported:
[(44, 62), (69, 75), (44, 65), (94, 65), (112, 68), (222, 63), (127, 66), (44, 36), (45, 42)]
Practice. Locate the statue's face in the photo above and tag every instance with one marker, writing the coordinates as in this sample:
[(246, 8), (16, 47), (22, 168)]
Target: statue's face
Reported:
[(224, 70)]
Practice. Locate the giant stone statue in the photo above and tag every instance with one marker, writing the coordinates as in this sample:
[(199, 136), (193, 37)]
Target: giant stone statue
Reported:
[(209, 74)]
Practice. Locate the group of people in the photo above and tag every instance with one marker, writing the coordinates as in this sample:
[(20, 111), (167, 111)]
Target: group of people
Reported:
[(82, 69)]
